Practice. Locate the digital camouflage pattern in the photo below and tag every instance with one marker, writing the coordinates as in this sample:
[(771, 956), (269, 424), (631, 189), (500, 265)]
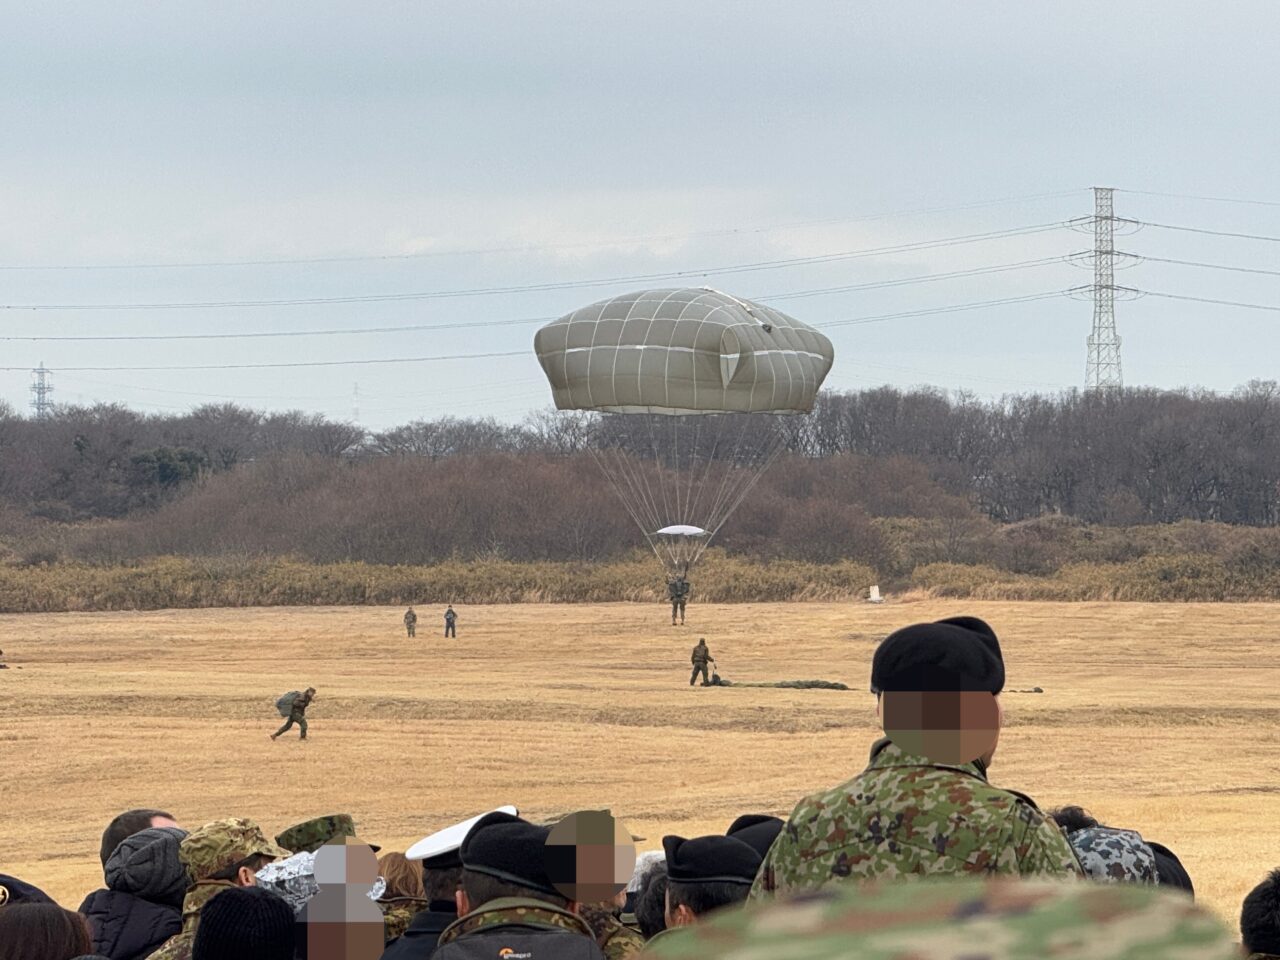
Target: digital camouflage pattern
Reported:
[(515, 910), (180, 945), (311, 835), (1114, 856), (961, 919), (906, 815), (224, 843), (616, 940), (398, 913)]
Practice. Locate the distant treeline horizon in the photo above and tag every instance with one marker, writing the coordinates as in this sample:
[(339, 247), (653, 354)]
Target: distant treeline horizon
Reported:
[(893, 479)]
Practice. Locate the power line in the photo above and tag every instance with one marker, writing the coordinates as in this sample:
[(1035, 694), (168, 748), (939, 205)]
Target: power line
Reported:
[(954, 308), (477, 324), (478, 251), (1212, 233), (1207, 266), (1221, 303), (1192, 196), (565, 284), (300, 363)]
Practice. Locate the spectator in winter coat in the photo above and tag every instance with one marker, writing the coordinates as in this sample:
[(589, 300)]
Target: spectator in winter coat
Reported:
[(42, 931), (141, 906)]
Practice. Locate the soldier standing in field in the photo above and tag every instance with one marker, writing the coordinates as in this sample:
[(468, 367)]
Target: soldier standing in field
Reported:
[(298, 713), (450, 622), (915, 811), (678, 593), (701, 655), (410, 621)]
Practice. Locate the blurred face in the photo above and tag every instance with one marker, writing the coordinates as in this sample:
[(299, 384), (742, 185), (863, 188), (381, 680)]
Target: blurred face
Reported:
[(163, 822)]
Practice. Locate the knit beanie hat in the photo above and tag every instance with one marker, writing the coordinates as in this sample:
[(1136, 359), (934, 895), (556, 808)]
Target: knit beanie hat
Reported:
[(146, 865), (245, 923)]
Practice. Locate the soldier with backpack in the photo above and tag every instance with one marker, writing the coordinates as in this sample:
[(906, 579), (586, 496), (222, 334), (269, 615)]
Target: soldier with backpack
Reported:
[(293, 705)]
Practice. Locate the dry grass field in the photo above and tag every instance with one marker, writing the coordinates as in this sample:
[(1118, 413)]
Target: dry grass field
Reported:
[(1158, 717)]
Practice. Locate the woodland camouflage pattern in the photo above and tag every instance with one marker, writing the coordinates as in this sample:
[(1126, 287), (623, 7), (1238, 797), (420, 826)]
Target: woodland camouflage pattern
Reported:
[(906, 815), (311, 835), (1114, 856), (961, 919), (515, 910), (398, 913), (617, 941), (180, 945), (223, 843)]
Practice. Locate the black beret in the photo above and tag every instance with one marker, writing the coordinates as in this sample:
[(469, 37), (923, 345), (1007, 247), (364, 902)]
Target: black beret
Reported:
[(939, 657), (509, 849), (710, 859), (756, 830), (13, 890)]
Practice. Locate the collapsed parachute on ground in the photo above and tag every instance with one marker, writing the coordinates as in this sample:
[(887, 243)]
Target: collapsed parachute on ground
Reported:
[(694, 388)]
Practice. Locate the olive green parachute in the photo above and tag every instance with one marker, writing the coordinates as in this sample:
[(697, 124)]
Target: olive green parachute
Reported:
[(694, 391)]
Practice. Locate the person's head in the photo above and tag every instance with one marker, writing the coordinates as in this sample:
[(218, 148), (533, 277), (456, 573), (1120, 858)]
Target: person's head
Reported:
[(756, 830), (230, 850), (1114, 856), (42, 931), (440, 884), (937, 689), (1072, 818), (14, 891), (147, 865), (403, 877), (310, 692), (504, 856), (246, 923), (129, 823), (651, 901), (311, 835), (1260, 917), (704, 874)]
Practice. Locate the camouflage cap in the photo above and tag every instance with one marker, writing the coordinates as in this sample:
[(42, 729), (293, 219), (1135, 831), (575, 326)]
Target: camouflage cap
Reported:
[(1114, 856), (223, 843), (311, 835), (999, 919)]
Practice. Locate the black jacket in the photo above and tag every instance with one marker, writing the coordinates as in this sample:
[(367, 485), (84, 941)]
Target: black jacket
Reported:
[(142, 905), (419, 939)]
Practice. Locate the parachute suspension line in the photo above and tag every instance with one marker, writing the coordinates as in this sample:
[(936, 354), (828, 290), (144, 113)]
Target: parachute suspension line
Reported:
[(632, 509)]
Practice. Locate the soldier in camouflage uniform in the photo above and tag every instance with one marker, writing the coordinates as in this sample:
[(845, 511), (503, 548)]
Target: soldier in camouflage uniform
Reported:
[(616, 940), (504, 861), (909, 814), (699, 658), (961, 919), (410, 621), (298, 713), (219, 856), (1114, 856), (678, 594)]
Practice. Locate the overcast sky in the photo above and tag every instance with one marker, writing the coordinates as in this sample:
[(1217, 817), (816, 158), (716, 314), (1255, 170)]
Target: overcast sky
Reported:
[(447, 146)]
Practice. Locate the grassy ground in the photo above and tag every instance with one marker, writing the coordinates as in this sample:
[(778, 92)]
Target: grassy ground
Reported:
[(1157, 717)]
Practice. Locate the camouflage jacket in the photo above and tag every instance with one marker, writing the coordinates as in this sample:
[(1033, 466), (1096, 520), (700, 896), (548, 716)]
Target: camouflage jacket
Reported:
[(298, 709), (398, 913), (700, 654), (410, 617), (616, 940), (969, 918), (515, 910), (908, 816), (179, 946)]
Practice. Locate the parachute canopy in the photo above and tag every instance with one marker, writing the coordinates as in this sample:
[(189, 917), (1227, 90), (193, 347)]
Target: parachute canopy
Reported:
[(692, 388), (680, 352)]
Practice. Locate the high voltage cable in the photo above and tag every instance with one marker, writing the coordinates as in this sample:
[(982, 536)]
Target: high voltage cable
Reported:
[(1223, 303), (1212, 233), (565, 284), (1207, 266), (1192, 196), (951, 308), (537, 247), (479, 324)]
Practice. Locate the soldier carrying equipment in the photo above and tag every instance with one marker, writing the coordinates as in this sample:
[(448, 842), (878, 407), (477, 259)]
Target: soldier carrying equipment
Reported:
[(699, 658), (293, 705), (410, 621), (450, 623), (678, 594)]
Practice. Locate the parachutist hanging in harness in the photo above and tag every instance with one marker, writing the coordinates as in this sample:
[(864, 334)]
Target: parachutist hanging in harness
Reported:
[(678, 593)]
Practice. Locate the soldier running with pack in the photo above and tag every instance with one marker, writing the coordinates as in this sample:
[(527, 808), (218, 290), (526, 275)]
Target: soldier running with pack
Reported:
[(678, 593), (701, 655), (298, 713), (410, 621)]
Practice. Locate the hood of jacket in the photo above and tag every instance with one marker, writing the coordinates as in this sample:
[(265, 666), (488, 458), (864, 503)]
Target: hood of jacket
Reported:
[(146, 865), (125, 927)]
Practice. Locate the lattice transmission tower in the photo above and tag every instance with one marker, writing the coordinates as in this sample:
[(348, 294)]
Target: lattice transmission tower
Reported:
[(41, 389), (1103, 369)]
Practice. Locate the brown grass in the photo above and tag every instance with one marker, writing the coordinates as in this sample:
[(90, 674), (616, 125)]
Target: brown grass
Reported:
[(1156, 717)]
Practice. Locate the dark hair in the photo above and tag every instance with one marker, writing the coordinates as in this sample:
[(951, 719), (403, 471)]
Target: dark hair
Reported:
[(126, 825), (42, 931), (651, 901), (1169, 869), (441, 884), (255, 862), (704, 897), (1260, 916), (1072, 819), (480, 888)]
